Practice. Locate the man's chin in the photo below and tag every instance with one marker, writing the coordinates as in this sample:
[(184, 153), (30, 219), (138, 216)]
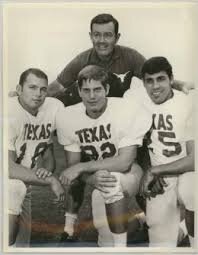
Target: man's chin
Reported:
[(103, 53)]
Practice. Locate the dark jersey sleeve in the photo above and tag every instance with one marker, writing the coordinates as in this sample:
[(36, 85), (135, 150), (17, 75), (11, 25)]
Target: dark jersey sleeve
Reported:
[(69, 74), (136, 61)]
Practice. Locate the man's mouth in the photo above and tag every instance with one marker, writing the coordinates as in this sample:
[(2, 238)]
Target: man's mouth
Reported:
[(92, 103), (156, 93), (102, 47), (36, 100)]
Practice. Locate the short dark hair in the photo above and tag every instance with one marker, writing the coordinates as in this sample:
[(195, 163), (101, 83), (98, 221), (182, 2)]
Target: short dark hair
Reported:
[(93, 72), (156, 65), (103, 19), (37, 72)]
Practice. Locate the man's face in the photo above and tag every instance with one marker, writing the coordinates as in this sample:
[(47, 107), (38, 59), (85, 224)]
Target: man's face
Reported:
[(104, 38), (33, 92), (158, 86), (93, 95)]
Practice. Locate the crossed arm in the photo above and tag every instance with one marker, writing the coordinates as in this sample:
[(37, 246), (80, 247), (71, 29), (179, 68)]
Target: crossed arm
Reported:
[(120, 163)]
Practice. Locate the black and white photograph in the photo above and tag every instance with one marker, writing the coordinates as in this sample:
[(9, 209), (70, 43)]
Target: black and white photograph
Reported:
[(99, 126)]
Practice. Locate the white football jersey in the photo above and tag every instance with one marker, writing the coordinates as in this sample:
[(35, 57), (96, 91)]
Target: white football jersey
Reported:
[(122, 124), (30, 135), (171, 128)]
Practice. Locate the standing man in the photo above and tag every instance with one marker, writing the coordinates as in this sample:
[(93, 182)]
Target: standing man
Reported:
[(171, 149), (31, 121), (102, 135)]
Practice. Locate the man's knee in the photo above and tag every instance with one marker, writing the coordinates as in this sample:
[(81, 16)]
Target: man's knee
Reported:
[(130, 181), (17, 192), (114, 193)]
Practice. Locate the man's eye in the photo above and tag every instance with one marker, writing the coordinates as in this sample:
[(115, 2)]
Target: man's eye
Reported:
[(98, 90), (96, 34), (44, 89), (149, 81), (161, 78), (108, 35), (85, 90)]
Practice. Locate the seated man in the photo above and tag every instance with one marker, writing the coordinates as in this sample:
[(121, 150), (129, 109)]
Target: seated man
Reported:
[(102, 134), (171, 149), (31, 122)]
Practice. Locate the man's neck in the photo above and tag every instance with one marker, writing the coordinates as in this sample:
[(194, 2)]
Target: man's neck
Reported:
[(106, 58), (28, 109), (97, 114)]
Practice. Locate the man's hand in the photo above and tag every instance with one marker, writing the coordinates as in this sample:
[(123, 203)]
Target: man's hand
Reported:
[(183, 86), (147, 180), (57, 189), (101, 180), (157, 187), (43, 173), (187, 86), (69, 175)]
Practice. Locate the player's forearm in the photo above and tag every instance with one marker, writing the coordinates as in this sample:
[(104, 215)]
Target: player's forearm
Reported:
[(182, 85), (177, 167), (114, 164), (27, 175), (120, 163)]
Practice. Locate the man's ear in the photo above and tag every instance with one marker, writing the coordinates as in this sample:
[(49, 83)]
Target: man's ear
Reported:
[(18, 89), (107, 89), (171, 80), (90, 35), (79, 92), (118, 37)]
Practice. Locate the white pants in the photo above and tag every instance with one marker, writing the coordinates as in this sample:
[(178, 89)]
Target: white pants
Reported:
[(163, 211), (130, 183), (20, 204)]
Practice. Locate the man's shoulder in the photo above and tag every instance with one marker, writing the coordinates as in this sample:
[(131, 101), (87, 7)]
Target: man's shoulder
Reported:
[(14, 105), (126, 50), (85, 53), (51, 103), (182, 98), (74, 110)]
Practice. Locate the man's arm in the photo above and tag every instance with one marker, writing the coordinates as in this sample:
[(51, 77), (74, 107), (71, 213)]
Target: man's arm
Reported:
[(55, 88), (47, 160), (28, 176), (183, 86), (177, 167), (120, 163), (67, 77)]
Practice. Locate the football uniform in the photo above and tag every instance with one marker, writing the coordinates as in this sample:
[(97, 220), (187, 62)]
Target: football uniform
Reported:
[(28, 136), (171, 129), (119, 126)]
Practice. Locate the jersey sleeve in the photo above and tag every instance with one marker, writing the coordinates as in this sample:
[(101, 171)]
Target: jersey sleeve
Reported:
[(12, 134), (13, 124), (65, 131), (69, 74), (138, 122)]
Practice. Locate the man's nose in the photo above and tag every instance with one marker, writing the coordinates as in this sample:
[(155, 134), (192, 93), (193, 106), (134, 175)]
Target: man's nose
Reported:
[(38, 92), (102, 38), (155, 84), (92, 94)]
